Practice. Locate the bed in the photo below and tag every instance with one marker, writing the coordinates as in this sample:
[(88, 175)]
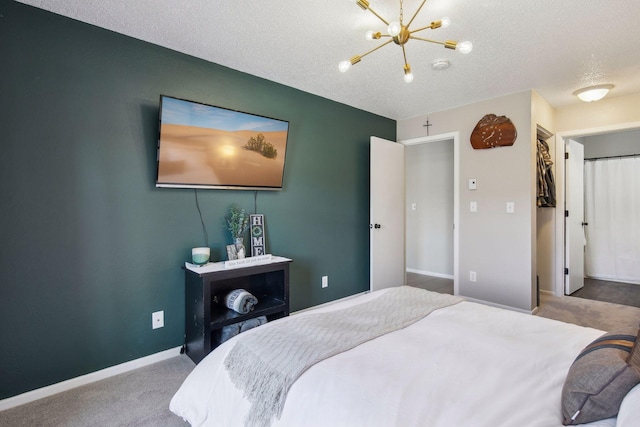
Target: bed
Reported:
[(465, 364)]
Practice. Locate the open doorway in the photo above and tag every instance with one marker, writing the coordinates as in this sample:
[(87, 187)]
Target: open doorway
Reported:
[(610, 257), (431, 200)]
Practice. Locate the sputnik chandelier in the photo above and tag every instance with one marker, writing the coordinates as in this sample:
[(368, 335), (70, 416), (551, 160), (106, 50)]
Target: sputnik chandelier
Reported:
[(400, 34)]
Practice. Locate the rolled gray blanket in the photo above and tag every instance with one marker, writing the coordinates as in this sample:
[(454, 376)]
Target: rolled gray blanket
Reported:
[(252, 323), (240, 301), (231, 331)]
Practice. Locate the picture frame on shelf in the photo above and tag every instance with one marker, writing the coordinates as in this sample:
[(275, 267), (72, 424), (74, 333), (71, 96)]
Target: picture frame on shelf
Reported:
[(232, 254)]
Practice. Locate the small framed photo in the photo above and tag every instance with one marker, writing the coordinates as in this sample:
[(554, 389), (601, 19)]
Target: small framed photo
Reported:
[(232, 252)]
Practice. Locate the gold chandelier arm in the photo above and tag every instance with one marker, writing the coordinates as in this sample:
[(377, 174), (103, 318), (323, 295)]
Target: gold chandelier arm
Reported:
[(416, 14), (364, 4), (379, 17), (449, 44), (432, 26), (375, 48), (404, 54)]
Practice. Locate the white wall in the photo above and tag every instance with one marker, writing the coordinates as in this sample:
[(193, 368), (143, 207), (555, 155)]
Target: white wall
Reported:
[(429, 185), (604, 116), (545, 248), (507, 262), (542, 116), (611, 144), (499, 247), (601, 115)]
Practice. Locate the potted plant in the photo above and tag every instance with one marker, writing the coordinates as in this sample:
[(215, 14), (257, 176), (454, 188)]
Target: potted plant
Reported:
[(237, 224)]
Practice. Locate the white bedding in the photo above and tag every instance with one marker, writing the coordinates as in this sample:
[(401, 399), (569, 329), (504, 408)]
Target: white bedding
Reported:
[(463, 365)]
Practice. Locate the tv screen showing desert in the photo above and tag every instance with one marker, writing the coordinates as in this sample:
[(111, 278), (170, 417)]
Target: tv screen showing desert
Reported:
[(202, 145)]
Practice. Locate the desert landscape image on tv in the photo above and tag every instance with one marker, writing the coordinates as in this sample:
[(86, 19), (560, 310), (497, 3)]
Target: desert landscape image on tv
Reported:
[(203, 145)]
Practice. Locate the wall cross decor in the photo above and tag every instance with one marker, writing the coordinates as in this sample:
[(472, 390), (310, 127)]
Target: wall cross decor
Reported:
[(427, 125)]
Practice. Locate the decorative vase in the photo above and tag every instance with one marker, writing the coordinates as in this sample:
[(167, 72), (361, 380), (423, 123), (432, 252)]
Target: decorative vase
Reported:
[(239, 242), (200, 256)]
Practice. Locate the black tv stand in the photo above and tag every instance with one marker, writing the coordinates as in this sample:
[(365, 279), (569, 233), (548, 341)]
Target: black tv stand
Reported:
[(204, 320)]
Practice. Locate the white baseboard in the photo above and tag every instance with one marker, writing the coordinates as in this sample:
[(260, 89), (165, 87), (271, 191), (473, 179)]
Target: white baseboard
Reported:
[(506, 307), (430, 273), (50, 390), (629, 280)]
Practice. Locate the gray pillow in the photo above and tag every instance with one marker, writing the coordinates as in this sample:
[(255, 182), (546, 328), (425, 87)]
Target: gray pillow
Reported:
[(600, 377)]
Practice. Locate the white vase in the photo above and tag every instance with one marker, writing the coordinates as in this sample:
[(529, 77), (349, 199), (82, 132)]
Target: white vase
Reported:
[(239, 243)]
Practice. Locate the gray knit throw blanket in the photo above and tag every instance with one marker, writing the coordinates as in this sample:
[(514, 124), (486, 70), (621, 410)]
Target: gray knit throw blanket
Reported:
[(266, 363)]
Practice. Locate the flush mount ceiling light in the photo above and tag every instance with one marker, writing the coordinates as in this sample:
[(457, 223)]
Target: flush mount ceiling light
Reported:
[(593, 93), (400, 34)]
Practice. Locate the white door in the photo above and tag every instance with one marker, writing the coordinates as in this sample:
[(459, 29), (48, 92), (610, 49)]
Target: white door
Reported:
[(574, 204), (387, 220)]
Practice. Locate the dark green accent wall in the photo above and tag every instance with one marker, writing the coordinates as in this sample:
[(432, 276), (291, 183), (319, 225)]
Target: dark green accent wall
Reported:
[(89, 248)]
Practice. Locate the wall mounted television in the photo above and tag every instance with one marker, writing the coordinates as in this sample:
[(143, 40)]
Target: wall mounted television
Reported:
[(204, 146)]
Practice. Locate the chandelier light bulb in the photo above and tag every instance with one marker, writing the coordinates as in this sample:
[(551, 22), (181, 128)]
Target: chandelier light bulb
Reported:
[(394, 28), (408, 75), (464, 47), (344, 66), (445, 22), (369, 35)]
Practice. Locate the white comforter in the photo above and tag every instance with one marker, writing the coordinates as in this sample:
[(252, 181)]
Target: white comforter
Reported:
[(463, 365)]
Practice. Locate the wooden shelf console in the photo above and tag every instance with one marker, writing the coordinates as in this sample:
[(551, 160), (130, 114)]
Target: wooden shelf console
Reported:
[(205, 318)]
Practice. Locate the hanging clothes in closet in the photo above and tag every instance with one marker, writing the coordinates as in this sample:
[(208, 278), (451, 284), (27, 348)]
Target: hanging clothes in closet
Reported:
[(546, 184)]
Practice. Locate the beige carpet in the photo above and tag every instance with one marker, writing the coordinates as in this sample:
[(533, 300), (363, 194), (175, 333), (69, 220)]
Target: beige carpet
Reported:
[(139, 398), (595, 314)]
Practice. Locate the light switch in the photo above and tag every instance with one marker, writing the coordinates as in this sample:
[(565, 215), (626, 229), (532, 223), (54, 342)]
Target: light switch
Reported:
[(413, 206), (473, 184), (511, 207), (473, 206)]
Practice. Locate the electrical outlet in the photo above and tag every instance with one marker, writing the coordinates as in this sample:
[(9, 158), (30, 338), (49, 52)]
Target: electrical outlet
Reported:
[(157, 319), (325, 281), (472, 276), (473, 207)]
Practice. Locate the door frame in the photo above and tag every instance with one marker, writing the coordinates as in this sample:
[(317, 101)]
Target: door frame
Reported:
[(560, 191), (455, 136)]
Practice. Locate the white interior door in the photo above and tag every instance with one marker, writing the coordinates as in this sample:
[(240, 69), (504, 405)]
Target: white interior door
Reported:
[(387, 220), (574, 203)]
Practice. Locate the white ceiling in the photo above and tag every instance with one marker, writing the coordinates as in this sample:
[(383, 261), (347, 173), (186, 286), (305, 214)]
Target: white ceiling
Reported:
[(551, 46)]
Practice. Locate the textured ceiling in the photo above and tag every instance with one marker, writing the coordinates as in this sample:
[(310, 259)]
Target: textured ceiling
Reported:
[(551, 46)]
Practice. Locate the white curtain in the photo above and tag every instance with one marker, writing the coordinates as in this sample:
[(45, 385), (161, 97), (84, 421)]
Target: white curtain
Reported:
[(612, 211)]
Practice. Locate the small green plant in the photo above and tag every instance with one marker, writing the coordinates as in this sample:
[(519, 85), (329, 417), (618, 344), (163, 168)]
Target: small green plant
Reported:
[(260, 145), (237, 221)]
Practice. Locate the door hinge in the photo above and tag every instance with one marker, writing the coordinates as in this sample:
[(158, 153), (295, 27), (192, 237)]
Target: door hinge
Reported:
[(566, 214), (566, 271), (566, 156)]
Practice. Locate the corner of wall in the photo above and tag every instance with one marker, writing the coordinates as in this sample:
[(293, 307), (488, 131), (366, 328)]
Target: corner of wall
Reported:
[(544, 230)]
